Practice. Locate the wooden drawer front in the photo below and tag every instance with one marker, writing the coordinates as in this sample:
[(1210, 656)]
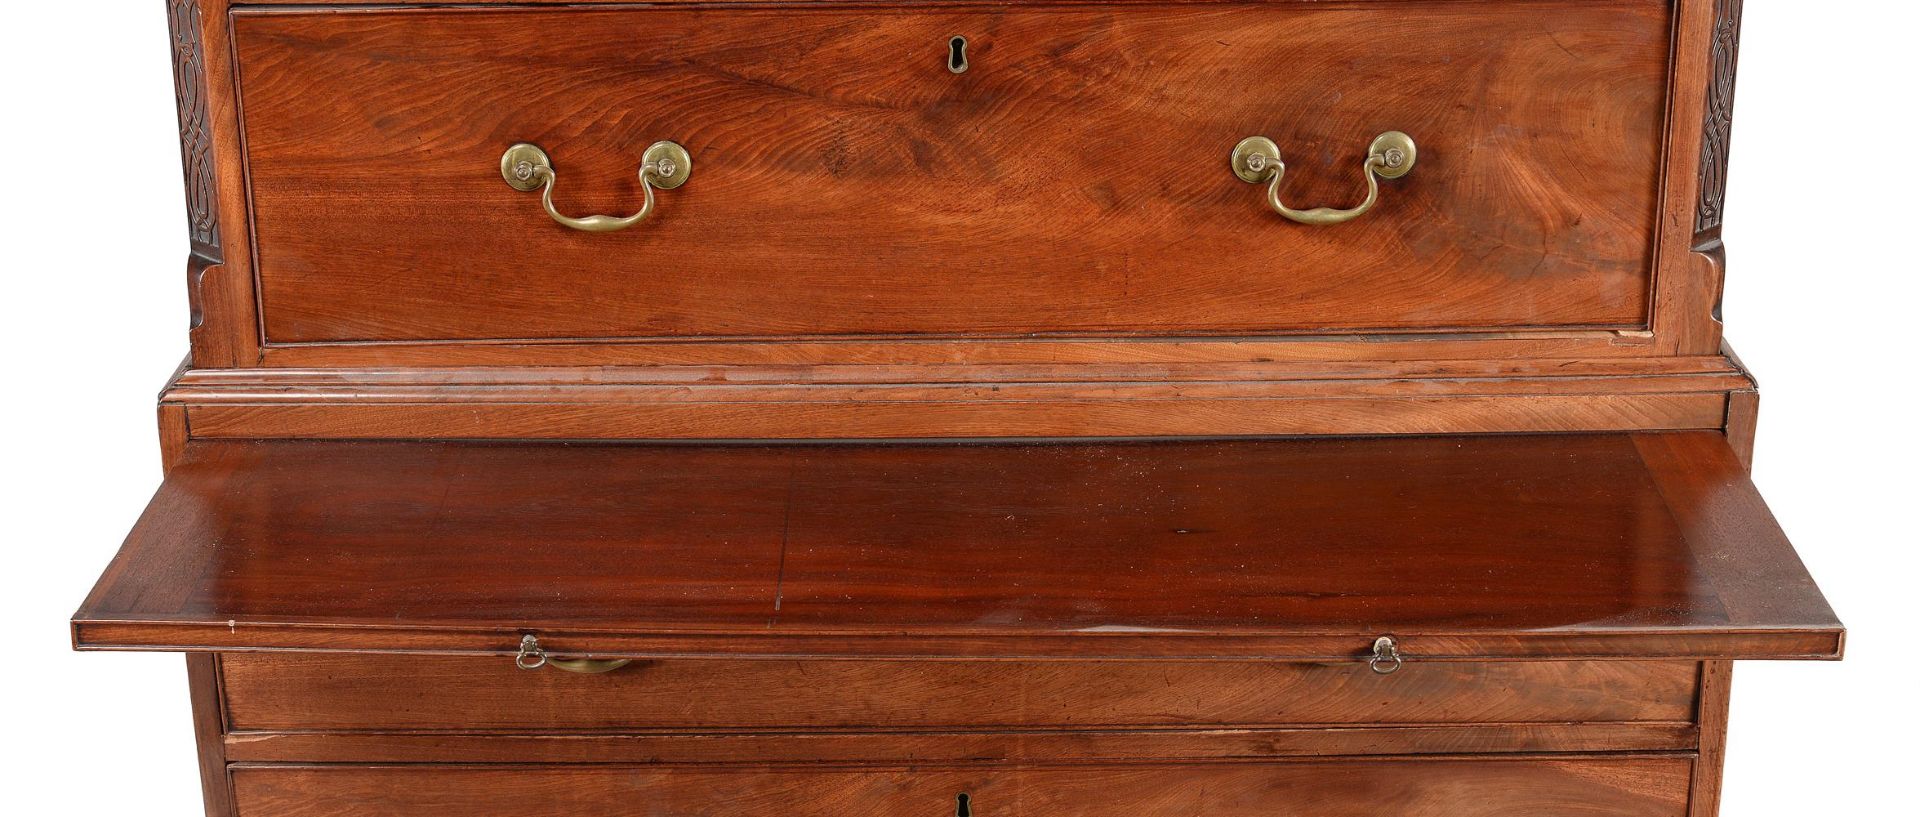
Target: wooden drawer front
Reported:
[(1073, 180), (289, 692), (1590, 787)]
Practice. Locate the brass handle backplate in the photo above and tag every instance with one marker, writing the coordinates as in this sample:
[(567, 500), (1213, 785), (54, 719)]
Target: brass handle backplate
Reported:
[(531, 656), (1257, 159), (665, 165)]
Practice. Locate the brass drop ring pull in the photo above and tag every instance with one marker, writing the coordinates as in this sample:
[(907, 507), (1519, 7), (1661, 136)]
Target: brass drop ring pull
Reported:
[(665, 165), (1386, 658), (533, 657), (1257, 159)]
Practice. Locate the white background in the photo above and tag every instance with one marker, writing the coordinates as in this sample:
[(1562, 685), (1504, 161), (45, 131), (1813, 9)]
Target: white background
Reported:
[(1821, 301)]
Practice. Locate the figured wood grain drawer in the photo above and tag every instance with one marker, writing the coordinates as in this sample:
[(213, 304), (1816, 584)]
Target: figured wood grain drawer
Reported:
[(847, 182), (1591, 787), (294, 692)]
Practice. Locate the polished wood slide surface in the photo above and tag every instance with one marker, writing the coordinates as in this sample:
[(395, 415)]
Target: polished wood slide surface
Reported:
[(846, 183), (1611, 545), (1589, 786)]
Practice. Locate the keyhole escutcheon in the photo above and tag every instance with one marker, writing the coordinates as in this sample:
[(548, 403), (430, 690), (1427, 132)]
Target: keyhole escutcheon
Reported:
[(957, 63)]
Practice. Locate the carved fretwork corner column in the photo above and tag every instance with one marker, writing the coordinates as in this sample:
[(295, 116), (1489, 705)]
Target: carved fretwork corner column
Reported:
[(223, 327), (196, 145), (1692, 263), (1716, 137)]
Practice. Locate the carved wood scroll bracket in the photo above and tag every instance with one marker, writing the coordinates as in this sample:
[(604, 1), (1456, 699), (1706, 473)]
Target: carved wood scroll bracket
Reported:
[(196, 144), (1718, 125)]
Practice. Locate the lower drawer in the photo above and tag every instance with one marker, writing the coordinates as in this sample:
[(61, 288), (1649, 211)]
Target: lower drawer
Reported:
[(1584, 786), (291, 692)]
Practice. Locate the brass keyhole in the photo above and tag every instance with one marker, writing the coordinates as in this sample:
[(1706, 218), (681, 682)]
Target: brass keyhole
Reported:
[(963, 809), (957, 63)]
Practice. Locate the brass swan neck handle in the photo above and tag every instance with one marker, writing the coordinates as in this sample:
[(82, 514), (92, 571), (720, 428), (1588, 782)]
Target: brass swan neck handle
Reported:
[(665, 165), (1257, 159), (532, 657)]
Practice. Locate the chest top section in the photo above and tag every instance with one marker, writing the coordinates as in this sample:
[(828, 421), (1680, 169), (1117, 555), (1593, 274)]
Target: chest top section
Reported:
[(540, 184)]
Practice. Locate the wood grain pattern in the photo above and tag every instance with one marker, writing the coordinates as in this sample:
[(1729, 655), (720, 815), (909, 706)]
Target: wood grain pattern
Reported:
[(298, 692), (1048, 246), (223, 320), (1304, 548), (1694, 269), (1612, 786), (1327, 377), (373, 141), (1743, 411), (1084, 399), (1820, 643), (1721, 512), (1687, 290), (1716, 694), (173, 435), (209, 733), (1743, 424), (197, 160), (1496, 345), (1024, 746), (964, 418)]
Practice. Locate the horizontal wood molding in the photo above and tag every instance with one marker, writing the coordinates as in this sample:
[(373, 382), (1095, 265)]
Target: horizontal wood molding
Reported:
[(969, 351), (1641, 644), (217, 384), (796, 3), (1062, 746), (975, 401), (1075, 417)]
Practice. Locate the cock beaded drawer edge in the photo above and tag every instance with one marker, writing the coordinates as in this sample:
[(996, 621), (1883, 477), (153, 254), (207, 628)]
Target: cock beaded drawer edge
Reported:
[(967, 408)]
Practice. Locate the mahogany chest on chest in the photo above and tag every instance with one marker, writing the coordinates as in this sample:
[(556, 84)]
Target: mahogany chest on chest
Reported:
[(712, 407)]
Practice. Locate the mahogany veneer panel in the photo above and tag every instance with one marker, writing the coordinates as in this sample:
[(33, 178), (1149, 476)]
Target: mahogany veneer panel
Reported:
[(289, 691), (1551, 545), (845, 183), (1598, 786)]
